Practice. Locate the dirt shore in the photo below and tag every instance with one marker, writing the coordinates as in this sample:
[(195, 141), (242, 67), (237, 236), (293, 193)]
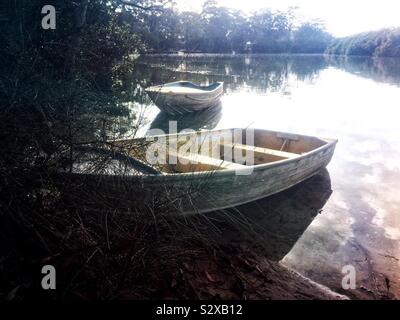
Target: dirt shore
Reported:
[(111, 255), (236, 275)]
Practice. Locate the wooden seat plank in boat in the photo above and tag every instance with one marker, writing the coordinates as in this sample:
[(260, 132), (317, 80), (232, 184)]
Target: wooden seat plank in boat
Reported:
[(272, 152), (203, 162)]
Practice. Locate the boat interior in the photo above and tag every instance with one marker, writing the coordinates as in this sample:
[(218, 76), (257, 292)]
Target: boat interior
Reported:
[(228, 149)]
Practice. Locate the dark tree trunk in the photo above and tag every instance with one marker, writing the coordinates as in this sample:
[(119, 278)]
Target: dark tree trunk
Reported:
[(80, 9)]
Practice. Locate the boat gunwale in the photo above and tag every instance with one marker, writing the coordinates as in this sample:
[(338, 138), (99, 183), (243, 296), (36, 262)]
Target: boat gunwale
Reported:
[(259, 167), (158, 88)]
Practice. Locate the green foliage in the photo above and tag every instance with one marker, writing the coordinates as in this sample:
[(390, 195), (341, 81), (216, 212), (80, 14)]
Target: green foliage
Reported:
[(271, 33), (222, 30), (383, 43), (218, 24), (193, 34), (311, 38), (59, 88)]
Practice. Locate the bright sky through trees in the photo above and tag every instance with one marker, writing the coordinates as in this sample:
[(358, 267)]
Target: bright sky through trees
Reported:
[(341, 17)]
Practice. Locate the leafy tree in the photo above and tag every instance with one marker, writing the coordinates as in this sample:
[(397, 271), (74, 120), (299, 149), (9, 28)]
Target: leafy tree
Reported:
[(161, 31), (241, 32), (218, 24), (382, 43), (193, 33), (271, 32), (311, 37)]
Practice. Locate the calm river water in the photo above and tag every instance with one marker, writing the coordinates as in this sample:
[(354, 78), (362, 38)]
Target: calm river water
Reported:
[(348, 215)]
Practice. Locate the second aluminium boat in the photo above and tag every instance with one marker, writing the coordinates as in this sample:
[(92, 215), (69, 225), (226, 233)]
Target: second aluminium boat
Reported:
[(183, 96)]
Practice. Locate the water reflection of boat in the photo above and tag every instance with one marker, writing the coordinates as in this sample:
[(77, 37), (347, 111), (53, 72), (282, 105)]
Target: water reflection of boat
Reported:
[(276, 222), (204, 119), (183, 96)]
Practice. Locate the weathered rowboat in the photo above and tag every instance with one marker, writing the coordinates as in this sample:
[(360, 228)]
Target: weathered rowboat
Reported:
[(208, 170), (184, 96)]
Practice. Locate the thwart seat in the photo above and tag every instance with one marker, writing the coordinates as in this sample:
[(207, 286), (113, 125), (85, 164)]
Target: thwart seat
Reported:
[(272, 152)]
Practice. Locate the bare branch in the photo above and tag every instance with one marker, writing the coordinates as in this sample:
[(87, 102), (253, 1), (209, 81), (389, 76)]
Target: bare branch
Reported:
[(131, 3)]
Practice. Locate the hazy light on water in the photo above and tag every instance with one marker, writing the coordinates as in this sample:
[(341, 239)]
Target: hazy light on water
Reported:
[(358, 104)]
